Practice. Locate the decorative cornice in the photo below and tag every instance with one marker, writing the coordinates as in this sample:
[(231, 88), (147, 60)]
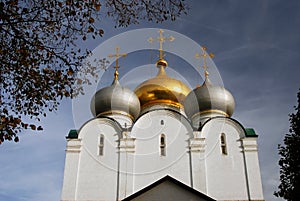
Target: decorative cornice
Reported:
[(73, 145)]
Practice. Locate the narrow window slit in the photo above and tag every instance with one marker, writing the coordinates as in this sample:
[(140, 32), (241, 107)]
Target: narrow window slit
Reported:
[(101, 145), (223, 144), (162, 145)]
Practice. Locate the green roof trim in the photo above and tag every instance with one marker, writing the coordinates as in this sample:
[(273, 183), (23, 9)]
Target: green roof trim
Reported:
[(73, 134), (250, 132)]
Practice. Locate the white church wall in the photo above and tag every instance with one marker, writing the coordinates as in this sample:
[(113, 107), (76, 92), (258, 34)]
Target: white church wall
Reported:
[(225, 173), (127, 151), (134, 161), (149, 164), (198, 162), (97, 174), (71, 169), (253, 169)]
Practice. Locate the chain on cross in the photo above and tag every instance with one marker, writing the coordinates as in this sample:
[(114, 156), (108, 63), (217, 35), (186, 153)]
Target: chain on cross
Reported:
[(117, 55), (204, 55), (161, 39)]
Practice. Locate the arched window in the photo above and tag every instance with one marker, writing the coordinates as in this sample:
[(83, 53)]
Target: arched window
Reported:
[(101, 145), (223, 144), (162, 122), (162, 145)]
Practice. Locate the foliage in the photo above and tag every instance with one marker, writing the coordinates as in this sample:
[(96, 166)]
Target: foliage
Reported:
[(39, 57), (289, 163)]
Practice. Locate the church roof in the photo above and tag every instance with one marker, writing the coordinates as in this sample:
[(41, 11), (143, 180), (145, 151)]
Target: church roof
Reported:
[(73, 134), (250, 132), (176, 189)]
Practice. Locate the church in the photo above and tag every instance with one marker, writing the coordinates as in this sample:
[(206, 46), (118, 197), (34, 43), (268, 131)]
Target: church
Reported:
[(162, 141)]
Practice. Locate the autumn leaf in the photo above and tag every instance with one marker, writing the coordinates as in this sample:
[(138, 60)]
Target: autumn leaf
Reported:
[(91, 20), (16, 139), (90, 29), (70, 72), (97, 6), (32, 126)]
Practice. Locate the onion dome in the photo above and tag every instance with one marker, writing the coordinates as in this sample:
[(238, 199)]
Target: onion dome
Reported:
[(209, 98), (116, 99), (162, 89)]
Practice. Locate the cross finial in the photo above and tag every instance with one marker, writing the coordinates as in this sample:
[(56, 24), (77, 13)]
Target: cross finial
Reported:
[(204, 55), (161, 39), (117, 55)]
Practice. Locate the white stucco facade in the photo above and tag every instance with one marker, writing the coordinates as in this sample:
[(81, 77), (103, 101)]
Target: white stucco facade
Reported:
[(132, 158)]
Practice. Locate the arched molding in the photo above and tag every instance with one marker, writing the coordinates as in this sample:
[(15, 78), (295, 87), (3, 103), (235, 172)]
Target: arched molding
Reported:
[(230, 121), (102, 120)]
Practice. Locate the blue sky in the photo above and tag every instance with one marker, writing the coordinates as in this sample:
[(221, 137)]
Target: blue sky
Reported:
[(257, 52)]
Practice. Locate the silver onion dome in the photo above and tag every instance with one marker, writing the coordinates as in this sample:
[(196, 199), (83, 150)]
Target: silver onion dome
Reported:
[(209, 98), (115, 99)]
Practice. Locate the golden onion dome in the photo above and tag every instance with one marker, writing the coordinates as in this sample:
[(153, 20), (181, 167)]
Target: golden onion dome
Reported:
[(162, 89)]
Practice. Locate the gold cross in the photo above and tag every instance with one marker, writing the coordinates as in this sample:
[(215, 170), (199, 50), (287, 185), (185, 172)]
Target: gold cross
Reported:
[(161, 39), (204, 55), (117, 55)]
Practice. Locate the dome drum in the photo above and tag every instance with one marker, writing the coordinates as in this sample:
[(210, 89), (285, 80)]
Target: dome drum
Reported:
[(114, 113)]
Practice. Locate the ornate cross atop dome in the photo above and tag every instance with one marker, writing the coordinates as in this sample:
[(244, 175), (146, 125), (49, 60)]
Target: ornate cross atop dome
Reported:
[(161, 39), (204, 55), (117, 55)]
